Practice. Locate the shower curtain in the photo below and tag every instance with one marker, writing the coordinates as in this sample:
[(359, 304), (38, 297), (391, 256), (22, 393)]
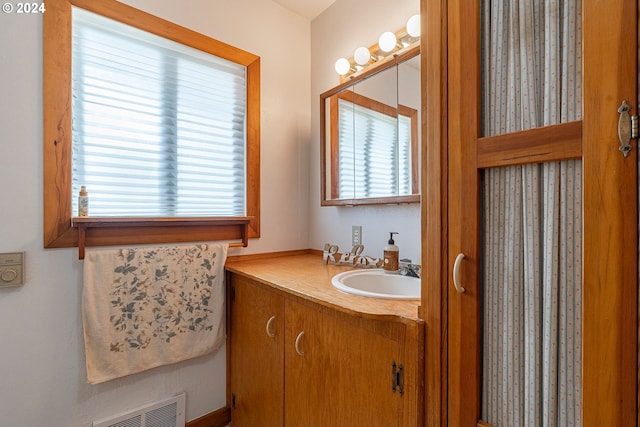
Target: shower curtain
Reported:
[(532, 219)]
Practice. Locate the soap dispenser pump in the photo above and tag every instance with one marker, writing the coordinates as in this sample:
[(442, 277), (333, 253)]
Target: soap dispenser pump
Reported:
[(391, 255)]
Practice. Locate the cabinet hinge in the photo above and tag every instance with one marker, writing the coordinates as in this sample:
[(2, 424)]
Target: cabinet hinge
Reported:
[(232, 293), (397, 378), (233, 400)]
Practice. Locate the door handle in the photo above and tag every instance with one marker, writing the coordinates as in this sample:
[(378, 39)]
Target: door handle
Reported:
[(627, 128), (456, 273), (271, 333), (297, 344)]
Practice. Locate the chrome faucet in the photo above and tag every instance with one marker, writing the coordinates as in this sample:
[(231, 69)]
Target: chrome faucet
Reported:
[(409, 269)]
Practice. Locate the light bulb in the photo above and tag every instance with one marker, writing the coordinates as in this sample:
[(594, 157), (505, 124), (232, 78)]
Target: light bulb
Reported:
[(413, 26), (387, 41), (362, 55), (342, 66)]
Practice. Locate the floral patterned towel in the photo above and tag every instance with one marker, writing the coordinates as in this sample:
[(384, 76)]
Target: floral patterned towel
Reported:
[(148, 307)]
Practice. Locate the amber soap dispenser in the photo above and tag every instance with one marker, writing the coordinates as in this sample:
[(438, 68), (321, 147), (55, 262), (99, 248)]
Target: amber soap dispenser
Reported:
[(391, 255)]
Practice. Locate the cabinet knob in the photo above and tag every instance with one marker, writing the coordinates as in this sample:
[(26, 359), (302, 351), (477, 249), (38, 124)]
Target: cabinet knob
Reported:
[(271, 333), (297, 345)]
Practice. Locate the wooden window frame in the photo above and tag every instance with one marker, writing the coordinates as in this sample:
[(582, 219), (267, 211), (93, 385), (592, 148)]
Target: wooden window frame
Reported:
[(61, 229)]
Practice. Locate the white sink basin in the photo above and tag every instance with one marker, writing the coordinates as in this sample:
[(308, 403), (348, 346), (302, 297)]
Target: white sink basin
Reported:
[(377, 283)]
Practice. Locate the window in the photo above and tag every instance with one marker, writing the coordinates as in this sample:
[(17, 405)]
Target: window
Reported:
[(163, 129), (158, 127)]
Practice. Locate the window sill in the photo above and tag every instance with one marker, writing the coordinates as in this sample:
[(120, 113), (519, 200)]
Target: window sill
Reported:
[(107, 231)]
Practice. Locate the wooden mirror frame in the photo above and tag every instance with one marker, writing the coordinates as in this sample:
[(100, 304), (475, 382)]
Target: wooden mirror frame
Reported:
[(383, 65)]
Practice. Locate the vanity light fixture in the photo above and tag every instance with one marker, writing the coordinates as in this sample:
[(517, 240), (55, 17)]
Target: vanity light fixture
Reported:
[(413, 26), (362, 56), (388, 41), (343, 66), (388, 44)]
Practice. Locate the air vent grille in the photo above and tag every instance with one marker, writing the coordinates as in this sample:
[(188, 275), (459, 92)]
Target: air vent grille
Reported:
[(131, 422), (165, 413)]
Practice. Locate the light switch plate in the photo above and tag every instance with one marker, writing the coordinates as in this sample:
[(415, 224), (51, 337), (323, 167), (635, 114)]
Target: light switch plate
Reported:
[(11, 269)]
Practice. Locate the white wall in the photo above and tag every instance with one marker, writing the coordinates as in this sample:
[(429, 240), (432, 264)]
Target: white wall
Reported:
[(42, 377), (337, 32)]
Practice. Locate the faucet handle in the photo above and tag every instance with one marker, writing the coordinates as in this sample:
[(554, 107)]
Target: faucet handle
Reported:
[(407, 268)]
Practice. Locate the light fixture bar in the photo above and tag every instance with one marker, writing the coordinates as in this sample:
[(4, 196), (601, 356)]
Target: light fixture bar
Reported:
[(389, 45)]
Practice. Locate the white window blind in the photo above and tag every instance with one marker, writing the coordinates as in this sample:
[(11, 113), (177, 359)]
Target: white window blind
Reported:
[(159, 128), (374, 152)]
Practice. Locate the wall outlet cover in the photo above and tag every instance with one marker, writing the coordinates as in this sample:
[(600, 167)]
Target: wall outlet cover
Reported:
[(356, 234)]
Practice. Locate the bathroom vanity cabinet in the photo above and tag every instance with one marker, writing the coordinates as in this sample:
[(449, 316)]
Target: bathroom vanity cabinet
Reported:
[(301, 353)]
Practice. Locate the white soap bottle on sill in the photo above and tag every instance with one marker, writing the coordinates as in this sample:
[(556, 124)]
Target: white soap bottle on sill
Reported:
[(83, 202)]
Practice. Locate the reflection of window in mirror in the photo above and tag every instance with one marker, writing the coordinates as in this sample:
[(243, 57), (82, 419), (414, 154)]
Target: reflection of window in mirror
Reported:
[(378, 162)]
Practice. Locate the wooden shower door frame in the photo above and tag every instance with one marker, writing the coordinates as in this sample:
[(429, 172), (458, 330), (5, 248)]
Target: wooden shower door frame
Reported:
[(454, 154)]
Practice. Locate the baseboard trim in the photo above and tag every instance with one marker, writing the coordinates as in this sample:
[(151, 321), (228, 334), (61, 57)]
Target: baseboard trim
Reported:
[(218, 418)]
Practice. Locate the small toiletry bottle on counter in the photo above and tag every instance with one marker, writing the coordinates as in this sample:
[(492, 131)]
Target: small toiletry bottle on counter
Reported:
[(83, 202), (391, 253)]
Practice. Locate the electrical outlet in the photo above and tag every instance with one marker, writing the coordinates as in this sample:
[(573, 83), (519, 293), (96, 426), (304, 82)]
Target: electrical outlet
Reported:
[(356, 234)]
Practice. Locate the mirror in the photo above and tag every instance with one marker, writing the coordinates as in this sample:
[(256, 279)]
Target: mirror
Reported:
[(369, 135)]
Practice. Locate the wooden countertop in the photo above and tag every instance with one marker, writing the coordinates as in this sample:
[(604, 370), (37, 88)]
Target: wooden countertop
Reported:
[(307, 277)]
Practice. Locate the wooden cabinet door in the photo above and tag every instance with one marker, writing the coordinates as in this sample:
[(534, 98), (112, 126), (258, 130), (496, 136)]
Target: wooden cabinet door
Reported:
[(340, 372), (256, 355), (610, 221)]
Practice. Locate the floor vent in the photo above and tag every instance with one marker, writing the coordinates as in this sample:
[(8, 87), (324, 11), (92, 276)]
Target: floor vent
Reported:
[(166, 413)]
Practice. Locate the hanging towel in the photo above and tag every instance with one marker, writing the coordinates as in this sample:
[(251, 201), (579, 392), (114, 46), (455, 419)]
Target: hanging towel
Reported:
[(148, 307)]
